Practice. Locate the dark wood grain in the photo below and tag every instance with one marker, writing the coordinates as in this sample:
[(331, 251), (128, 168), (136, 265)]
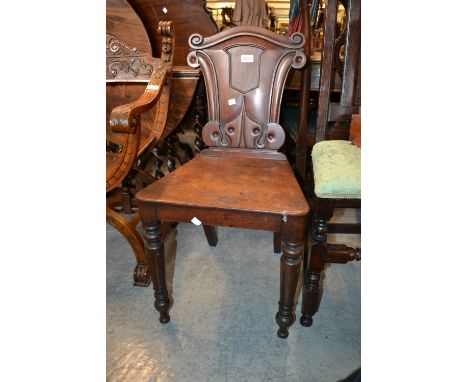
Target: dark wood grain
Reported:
[(347, 65)]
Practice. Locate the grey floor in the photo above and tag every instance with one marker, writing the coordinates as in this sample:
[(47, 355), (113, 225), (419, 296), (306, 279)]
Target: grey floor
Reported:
[(222, 324)]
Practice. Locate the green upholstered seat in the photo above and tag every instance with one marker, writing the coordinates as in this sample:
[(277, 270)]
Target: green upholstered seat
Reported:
[(337, 170)]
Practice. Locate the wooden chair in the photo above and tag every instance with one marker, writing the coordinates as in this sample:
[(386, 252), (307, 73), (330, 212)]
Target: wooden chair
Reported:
[(336, 163), (133, 129), (241, 180)]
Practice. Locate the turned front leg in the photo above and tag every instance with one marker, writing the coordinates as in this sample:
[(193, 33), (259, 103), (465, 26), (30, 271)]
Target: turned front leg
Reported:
[(154, 248), (290, 266)]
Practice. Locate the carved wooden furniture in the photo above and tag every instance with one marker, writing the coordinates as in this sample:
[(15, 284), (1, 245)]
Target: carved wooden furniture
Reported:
[(241, 180), (336, 163), (134, 128), (188, 16)]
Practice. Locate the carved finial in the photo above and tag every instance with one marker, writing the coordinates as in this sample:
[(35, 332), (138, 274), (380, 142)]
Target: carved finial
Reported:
[(166, 28)]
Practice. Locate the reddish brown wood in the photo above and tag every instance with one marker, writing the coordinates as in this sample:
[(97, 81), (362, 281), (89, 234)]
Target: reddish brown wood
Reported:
[(303, 112), (141, 276), (130, 72), (188, 16), (355, 130), (241, 181), (123, 23)]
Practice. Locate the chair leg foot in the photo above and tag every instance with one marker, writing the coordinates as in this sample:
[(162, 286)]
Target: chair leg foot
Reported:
[(283, 333), (290, 266), (306, 320), (164, 318), (154, 246)]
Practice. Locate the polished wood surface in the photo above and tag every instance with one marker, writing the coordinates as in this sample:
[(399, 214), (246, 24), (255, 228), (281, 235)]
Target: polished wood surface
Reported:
[(188, 16), (244, 92), (124, 23), (125, 128), (250, 181), (241, 180)]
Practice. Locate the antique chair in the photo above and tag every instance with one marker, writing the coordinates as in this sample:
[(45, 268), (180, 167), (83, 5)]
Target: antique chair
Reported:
[(336, 164), (241, 180), (133, 129)]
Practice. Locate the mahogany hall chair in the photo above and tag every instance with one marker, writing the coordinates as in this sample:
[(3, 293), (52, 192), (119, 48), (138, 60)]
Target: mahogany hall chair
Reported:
[(336, 164), (241, 180)]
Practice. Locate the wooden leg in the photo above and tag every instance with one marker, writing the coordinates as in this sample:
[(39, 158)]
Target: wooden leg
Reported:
[(290, 266), (211, 233), (312, 271), (277, 242), (154, 246), (141, 275)]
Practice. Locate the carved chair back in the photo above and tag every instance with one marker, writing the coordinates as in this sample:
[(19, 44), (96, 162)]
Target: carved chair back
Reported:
[(245, 69)]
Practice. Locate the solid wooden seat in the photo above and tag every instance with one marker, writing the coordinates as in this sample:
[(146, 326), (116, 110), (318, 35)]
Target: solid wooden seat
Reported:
[(223, 179)]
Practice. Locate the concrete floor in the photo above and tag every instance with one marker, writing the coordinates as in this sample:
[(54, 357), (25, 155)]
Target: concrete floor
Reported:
[(222, 324)]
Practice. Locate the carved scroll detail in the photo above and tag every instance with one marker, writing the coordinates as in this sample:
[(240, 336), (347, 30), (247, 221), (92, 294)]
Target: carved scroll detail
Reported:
[(138, 66), (197, 41), (243, 131), (115, 46), (166, 28)]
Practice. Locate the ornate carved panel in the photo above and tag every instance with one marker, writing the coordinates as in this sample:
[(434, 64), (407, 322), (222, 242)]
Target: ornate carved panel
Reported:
[(245, 69), (127, 63)]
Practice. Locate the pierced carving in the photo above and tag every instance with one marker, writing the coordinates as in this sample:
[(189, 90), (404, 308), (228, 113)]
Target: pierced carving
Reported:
[(245, 84), (243, 131)]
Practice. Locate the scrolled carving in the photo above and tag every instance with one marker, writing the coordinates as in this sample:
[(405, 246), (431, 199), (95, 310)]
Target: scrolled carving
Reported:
[(299, 60), (115, 46), (192, 59), (124, 65), (213, 135), (274, 136), (166, 28), (195, 40), (298, 38)]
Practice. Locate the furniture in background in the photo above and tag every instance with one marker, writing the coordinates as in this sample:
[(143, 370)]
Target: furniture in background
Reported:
[(133, 130), (336, 163), (134, 22), (241, 180), (300, 101), (188, 97)]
